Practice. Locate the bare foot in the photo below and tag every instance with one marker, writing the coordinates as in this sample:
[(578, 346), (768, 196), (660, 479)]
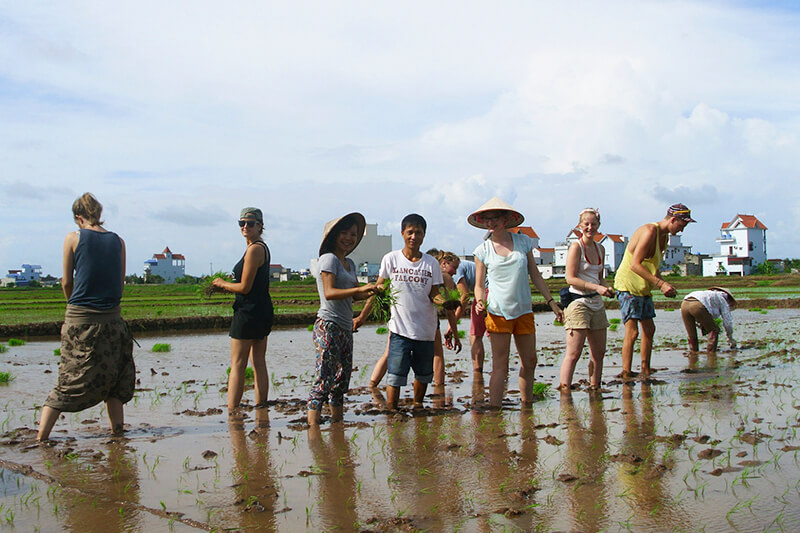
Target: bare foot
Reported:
[(627, 374)]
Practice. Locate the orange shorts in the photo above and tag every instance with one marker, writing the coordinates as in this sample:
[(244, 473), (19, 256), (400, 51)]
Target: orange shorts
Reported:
[(523, 325)]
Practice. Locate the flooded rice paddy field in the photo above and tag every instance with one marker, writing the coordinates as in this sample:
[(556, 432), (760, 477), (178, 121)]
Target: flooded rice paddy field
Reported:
[(709, 444)]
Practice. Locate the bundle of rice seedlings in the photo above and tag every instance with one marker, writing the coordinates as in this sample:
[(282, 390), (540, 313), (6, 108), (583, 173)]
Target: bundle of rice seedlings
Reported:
[(207, 289), (452, 299), (162, 347), (6, 377), (382, 301), (381, 330), (20, 342)]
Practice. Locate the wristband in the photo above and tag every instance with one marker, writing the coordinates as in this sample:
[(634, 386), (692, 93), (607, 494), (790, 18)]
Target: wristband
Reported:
[(548, 301)]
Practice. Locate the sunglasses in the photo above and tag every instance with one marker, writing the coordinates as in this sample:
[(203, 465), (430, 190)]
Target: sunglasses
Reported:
[(250, 223)]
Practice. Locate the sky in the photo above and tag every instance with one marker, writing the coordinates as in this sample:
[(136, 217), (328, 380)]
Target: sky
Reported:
[(178, 114)]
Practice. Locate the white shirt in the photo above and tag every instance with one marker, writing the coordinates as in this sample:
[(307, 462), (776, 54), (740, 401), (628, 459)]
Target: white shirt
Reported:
[(413, 315), (717, 305)]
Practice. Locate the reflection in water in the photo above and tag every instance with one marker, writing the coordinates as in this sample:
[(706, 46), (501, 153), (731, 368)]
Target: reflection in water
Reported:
[(586, 459), (643, 474), (253, 475), (335, 478)]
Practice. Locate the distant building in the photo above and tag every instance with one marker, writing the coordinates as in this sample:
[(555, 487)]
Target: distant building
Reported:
[(675, 252), (22, 277), (367, 255), (742, 244), (167, 265), (277, 271), (613, 244), (692, 264)]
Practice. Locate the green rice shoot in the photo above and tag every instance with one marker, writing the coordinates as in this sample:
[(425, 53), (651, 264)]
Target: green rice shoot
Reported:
[(6, 377), (615, 320), (382, 302), (462, 334), (162, 347), (541, 389), (613, 327), (207, 290), (57, 352), (16, 342), (381, 330), (558, 323), (249, 375), (311, 327), (452, 299), (3, 348)]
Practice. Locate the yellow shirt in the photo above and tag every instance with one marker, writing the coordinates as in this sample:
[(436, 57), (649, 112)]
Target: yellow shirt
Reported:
[(627, 280)]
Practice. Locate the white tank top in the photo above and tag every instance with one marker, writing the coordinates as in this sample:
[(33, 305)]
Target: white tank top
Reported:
[(589, 273)]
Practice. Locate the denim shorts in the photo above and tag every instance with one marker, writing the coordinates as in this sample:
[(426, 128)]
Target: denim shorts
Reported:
[(635, 307), (405, 354)]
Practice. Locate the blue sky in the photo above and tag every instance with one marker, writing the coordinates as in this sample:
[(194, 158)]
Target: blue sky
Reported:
[(178, 114)]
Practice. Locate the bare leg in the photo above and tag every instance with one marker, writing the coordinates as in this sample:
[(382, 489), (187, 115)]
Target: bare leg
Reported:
[(501, 346), (380, 368), (337, 413), (313, 417), (438, 359), (47, 421), (478, 352), (575, 341), (648, 332), (392, 396), (116, 415), (597, 351), (631, 333), (419, 393), (240, 351), (258, 358), (526, 346)]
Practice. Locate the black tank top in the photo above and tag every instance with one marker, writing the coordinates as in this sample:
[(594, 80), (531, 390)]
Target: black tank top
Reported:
[(98, 270), (257, 301)]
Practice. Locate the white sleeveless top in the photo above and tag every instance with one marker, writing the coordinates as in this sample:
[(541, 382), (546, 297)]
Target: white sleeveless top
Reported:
[(589, 273)]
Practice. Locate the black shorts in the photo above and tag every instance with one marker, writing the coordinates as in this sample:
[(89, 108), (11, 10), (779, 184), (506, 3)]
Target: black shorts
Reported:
[(251, 326)]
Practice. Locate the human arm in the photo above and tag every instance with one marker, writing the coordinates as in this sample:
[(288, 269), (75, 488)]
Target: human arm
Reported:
[(122, 255), (364, 314), (253, 260), (480, 286), (68, 263), (727, 318), (541, 286), (643, 245), (360, 292)]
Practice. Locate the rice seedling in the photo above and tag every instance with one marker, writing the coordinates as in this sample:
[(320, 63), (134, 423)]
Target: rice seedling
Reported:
[(57, 352), (613, 327), (248, 373), (162, 347), (558, 323), (541, 389), (6, 377), (16, 342), (3, 348), (451, 299), (615, 320), (381, 330), (382, 301), (206, 289), (311, 327)]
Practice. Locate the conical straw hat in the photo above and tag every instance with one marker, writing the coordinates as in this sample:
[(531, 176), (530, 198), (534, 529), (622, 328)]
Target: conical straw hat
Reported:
[(726, 291), (515, 218), (361, 224)]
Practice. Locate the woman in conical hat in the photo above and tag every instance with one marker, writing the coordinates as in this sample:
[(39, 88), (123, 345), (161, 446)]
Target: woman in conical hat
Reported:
[(338, 286), (506, 259)]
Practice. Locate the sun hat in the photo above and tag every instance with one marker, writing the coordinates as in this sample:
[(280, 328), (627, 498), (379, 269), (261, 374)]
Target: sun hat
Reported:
[(680, 211), (726, 291), (252, 212), (496, 204), (361, 224)]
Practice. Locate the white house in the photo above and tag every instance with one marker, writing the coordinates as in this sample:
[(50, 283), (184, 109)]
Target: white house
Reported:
[(675, 253), (742, 246), (613, 244), (22, 277), (167, 265)]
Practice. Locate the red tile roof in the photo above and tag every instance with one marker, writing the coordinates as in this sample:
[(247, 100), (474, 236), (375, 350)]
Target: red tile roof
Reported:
[(553, 250), (525, 230), (178, 256), (166, 250), (615, 237), (159, 256), (749, 221)]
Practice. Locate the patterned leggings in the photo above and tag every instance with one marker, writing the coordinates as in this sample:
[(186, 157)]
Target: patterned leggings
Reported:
[(334, 346)]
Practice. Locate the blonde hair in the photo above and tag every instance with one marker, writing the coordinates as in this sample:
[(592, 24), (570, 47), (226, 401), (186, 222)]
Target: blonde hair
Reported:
[(89, 208), (448, 256), (589, 211)]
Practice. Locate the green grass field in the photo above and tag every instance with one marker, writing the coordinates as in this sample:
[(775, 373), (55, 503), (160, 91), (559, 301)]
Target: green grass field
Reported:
[(36, 305)]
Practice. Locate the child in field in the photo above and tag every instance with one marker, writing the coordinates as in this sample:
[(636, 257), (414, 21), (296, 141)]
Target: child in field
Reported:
[(415, 278)]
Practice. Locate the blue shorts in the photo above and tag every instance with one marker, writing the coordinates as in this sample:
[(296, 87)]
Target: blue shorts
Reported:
[(635, 307), (405, 354)]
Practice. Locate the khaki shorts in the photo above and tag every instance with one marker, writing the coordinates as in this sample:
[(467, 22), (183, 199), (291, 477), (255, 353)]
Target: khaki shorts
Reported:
[(579, 316), (523, 325)]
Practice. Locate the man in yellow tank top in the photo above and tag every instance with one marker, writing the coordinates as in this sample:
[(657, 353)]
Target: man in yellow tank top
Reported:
[(638, 275)]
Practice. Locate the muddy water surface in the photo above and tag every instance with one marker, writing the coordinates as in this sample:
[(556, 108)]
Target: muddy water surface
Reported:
[(709, 444)]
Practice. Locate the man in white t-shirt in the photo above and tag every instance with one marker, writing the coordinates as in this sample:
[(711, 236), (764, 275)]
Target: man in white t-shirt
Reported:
[(415, 278)]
